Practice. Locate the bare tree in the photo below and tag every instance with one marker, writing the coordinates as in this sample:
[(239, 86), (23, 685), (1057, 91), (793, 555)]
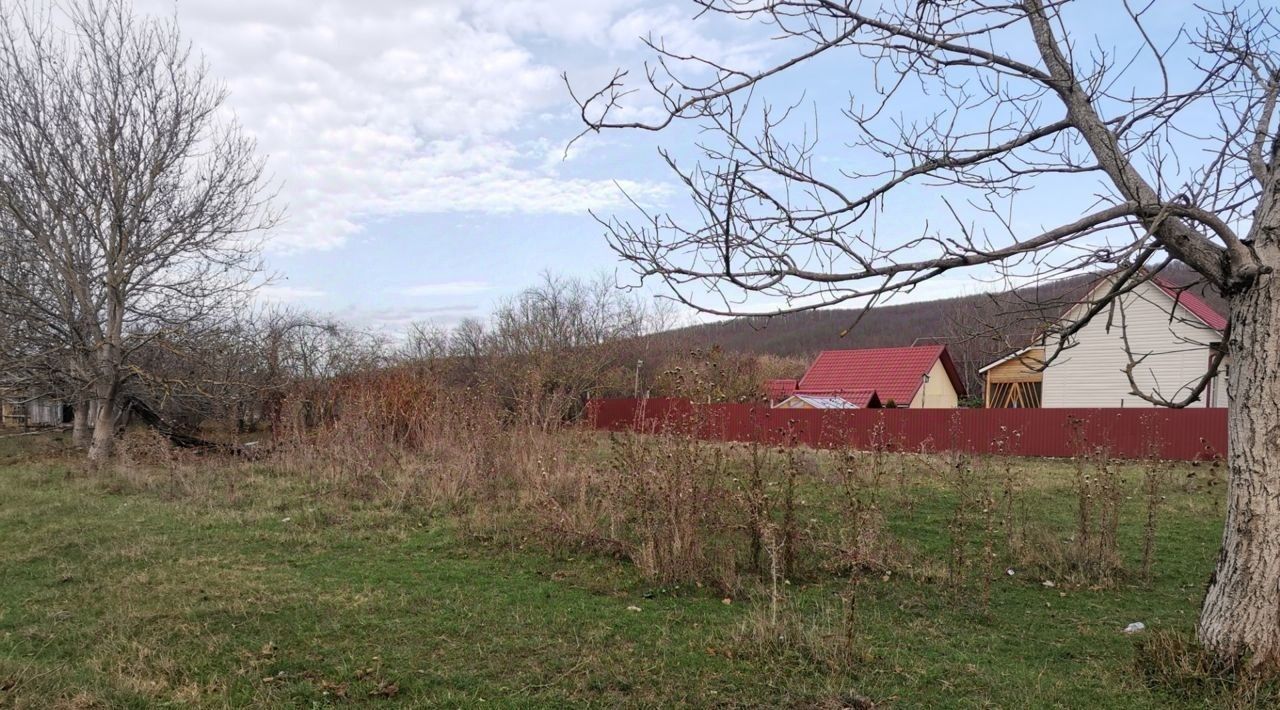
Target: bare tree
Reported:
[(130, 194), (562, 312), (469, 340), (42, 334), (554, 343), (425, 342), (990, 99)]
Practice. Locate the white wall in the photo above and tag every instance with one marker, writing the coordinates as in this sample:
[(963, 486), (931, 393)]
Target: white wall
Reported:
[(1218, 390), (1090, 373)]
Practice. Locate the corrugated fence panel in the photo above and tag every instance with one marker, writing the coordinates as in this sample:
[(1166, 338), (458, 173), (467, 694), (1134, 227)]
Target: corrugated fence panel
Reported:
[(1174, 434)]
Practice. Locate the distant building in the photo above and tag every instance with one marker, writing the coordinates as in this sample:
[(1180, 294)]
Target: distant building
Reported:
[(1171, 334), (18, 411), (922, 377)]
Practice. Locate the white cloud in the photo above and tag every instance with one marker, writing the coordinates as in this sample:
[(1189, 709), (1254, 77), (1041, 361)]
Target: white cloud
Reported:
[(567, 20), (390, 107), (392, 320), (288, 294), (448, 288), (670, 27)]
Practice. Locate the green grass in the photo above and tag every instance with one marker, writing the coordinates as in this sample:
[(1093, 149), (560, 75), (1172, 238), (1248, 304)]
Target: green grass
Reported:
[(263, 595)]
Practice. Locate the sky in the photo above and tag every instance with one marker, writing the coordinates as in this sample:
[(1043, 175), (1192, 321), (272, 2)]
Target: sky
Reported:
[(419, 146)]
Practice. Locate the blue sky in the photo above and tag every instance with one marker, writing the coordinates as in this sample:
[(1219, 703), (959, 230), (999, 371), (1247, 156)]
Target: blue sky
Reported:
[(418, 144)]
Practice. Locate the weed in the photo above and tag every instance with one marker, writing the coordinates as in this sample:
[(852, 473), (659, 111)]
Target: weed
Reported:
[(1173, 664), (1153, 476)]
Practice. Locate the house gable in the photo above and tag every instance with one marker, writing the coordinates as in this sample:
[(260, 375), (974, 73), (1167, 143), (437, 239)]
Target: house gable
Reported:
[(1168, 339)]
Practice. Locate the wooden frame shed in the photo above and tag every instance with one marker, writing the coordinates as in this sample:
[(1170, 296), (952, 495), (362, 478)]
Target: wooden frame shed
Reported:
[(1016, 381)]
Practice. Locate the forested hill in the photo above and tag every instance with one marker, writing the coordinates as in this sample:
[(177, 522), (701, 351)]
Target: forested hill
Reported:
[(977, 328)]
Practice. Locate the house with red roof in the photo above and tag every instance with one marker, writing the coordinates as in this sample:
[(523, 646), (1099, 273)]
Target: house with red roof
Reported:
[(1161, 335), (918, 377)]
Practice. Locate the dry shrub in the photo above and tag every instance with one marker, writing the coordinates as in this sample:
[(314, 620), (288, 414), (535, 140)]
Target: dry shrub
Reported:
[(681, 510), (861, 541), (712, 375), (1013, 510), (1176, 665), (670, 508), (799, 464), (395, 435), (1090, 553), (560, 500), (147, 461), (1154, 475), (1099, 493), (398, 436), (972, 529), (753, 501)]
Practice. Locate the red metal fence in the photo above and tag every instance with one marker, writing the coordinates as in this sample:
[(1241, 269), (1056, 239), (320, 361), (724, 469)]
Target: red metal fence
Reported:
[(1174, 434)]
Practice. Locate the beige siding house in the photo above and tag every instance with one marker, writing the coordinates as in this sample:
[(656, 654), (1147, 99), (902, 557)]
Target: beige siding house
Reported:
[(938, 390), (1167, 337)]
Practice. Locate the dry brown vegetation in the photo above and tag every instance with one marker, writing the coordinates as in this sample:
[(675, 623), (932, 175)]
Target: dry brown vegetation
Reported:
[(685, 511)]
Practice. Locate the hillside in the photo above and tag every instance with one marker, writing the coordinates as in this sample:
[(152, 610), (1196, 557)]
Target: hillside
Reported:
[(977, 328)]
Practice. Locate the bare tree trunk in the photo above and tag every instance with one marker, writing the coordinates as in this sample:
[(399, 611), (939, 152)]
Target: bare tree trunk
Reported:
[(80, 424), (108, 387), (104, 427), (1241, 614)]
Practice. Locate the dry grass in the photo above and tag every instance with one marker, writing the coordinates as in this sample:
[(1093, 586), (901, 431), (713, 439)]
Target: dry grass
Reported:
[(1175, 664)]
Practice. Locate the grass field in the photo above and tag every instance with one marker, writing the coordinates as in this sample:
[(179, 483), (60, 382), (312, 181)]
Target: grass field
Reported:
[(266, 595)]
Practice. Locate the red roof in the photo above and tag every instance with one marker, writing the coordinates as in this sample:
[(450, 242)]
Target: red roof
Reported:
[(779, 389), (1190, 301), (862, 398), (892, 373)]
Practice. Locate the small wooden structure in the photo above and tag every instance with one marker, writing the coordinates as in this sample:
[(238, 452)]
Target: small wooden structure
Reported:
[(1016, 381), (10, 416), (33, 412)]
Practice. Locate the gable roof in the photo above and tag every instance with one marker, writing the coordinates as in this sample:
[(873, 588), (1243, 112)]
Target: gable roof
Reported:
[(779, 389), (1182, 296), (1007, 358), (893, 373), (1193, 303), (862, 398)]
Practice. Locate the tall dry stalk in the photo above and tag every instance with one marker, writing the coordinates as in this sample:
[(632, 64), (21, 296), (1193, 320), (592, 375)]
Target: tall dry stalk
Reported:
[(1153, 474)]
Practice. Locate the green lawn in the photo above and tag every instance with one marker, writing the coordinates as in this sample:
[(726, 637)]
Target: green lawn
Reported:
[(264, 595)]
